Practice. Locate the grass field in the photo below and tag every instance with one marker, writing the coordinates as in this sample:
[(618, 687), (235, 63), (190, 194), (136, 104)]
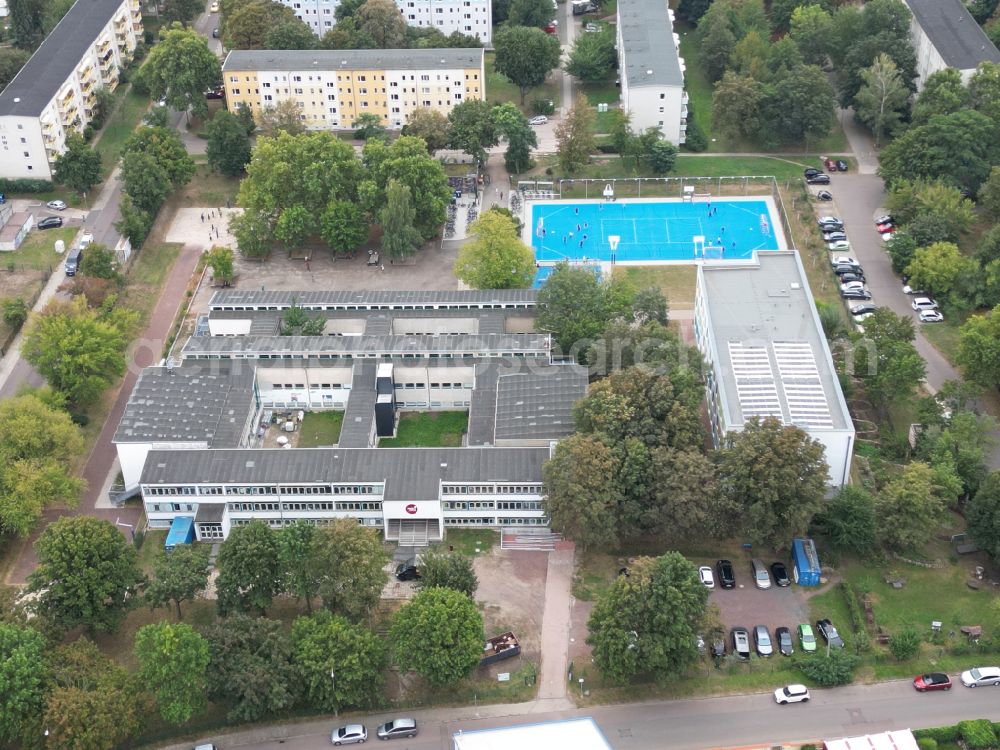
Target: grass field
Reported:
[(690, 165), (467, 541), (320, 428), (38, 249), (428, 429), (944, 336), (676, 282), (500, 90), (130, 109)]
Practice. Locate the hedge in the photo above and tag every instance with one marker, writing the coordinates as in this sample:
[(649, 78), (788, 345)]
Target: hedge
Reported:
[(853, 607), (978, 733), (25, 186), (949, 735), (927, 743)]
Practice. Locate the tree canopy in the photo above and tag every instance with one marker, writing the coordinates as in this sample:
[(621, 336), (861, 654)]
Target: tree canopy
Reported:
[(178, 575), (79, 166), (439, 634), (495, 258), (180, 69), (228, 148), (22, 677), (249, 566), (525, 56), (173, 659), (979, 348)]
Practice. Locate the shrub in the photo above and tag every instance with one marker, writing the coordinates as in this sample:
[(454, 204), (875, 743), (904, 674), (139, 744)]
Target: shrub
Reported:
[(853, 607), (25, 186), (830, 671), (943, 735), (905, 644), (978, 733), (927, 743)]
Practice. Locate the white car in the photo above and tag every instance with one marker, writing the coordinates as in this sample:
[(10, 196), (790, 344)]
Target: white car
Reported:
[(883, 219), (981, 676), (706, 576), (214, 8), (351, 734), (907, 289), (887, 237), (931, 316), (791, 694), (538, 120), (838, 245), (924, 303), (56, 205), (852, 286), (862, 317), (843, 260), (828, 220)]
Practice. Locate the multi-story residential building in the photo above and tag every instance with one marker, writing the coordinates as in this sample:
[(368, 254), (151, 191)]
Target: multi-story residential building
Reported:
[(198, 433), (469, 17), (650, 68), (945, 35), (757, 327), (54, 93), (333, 87)]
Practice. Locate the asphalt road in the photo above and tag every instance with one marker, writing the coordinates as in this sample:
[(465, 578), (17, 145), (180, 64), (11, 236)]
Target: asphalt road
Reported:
[(737, 721)]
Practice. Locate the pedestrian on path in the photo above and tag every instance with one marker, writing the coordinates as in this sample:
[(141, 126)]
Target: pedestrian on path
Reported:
[(202, 217)]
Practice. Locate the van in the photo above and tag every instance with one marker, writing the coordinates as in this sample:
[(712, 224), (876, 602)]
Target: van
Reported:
[(73, 259), (924, 303)]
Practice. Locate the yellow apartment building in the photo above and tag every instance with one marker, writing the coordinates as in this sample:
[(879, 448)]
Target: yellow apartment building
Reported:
[(333, 87)]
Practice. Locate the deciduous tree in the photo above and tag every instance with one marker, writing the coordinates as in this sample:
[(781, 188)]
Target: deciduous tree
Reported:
[(173, 660), (473, 129), (575, 136), (848, 522), (290, 35), (979, 348), (353, 562), (178, 575), (26, 23), (593, 56), (495, 258), (248, 25), (180, 69), (343, 227), (228, 147), (944, 92), (811, 28), (439, 634), (382, 21), (79, 166), (536, 13), (940, 268), (520, 135), (86, 574), (525, 56), (647, 622), (400, 238), (882, 98), (249, 566), (983, 515), (450, 571), (22, 678), (988, 199), (299, 560), (282, 117), (220, 260), (581, 494), (146, 182), (909, 509), (430, 126)]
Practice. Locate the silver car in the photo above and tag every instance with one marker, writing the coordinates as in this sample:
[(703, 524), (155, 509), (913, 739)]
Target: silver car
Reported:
[(404, 727), (349, 735), (981, 676), (762, 640), (761, 578)]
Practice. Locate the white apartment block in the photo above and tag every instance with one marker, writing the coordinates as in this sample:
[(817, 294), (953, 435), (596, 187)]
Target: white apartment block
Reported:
[(54, 94), (945, 35), (333, 87), (650, 68), (469, 17)]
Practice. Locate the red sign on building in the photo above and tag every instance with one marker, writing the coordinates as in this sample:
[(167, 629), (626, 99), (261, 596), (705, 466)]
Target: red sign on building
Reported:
[(411, 509)]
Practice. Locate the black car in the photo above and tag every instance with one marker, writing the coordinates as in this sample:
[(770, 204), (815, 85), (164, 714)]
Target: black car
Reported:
[(831, 226), (215, 94), (784, 638), (718, 649), (780, 574), (824, 195), (845, 277), (407, 570), (741, 642), (819, 179), (855, 294), (810, 172), (829, 633), (727, 576), (862, 309), (846, 268), (50, 222), (841, 165)]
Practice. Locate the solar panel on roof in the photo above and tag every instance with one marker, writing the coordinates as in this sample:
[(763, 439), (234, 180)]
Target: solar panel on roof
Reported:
[(800, 379), (755, 386)]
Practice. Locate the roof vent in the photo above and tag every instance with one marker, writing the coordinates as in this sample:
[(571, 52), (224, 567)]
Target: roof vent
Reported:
[(795, 285), (649, 72), (444, 465), (17, 99)]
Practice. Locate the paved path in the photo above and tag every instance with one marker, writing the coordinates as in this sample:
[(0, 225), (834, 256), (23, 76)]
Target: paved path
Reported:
[(555, 623), (745, 721), (862, 145)]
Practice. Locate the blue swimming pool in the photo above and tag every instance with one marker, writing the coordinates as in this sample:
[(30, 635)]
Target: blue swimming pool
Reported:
[(651, 231)]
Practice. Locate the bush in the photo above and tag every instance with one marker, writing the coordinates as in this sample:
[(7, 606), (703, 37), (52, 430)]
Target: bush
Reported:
[(944, 735), (80, 419), (695, 140), (830, 671), (853, 607), (25, 186), (543, 107), (978, 733), (927, 743), (905, 644)]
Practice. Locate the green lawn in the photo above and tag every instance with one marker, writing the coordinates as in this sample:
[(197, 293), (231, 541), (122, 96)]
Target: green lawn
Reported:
[(209, 188), (153, 264), (468, 541), (676, 282), (688, 165), (320, 428), (500, 90), (38, 249), (428, 429), (152, 543), (130, 109), (944, 336)]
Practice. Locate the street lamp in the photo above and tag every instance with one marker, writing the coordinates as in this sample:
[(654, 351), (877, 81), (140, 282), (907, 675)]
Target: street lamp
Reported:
[(333, 679)]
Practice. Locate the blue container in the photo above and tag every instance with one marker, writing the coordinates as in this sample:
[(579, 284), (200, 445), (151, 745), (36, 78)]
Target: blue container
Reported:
[(181, 532), (805, 562)]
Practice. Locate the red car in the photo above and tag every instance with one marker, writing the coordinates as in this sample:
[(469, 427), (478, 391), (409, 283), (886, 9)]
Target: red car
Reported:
[(830, 164), (552, 28), (932, 681), (885, 228)]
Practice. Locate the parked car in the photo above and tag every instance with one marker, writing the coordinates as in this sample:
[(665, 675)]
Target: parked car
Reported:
[(538, 120), (859, 285), (829, 220), (830, 165), (907, 289), (215, 94), (758, 570), (844, 260), (847, 268), (887, 237), (847, 277), (780, 574), (551, 28), (741, 642), (883, 228), (727, 576), (884, 219), (762, 641), (838, 245), (932, 681), (705, 573), (855, 294), (214, 8), (50, 222), (56, 205), (835, 236), (784, 638), (819, 179), (862, 309), (206, 746), (981, 676), (350, 734), (829, 633), (806, 638), (924, 303), (841, 165), (404, 727), (824, 195), (810, 172), (831, 227), (931, 316), (407, 570), (791, 694), (719, 649)]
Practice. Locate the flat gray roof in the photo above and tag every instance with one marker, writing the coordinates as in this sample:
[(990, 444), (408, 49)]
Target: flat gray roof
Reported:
[(768, 347), (539, 404), (355, 345), (188, 404), (380, 300), (353, 59), (651, 57), (39, 80), (954, 33), (409, 473)]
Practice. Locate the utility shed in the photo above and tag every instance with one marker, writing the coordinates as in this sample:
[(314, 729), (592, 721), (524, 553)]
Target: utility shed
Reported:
[(579, 734)]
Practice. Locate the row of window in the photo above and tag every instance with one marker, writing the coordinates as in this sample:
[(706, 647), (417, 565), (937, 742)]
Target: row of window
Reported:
[(308, 489), (302, 386), (277, 523), (490, 505), (320, 306), (491, 521), (412, 386), (489, 489), (281, 507), (359, 78), (362, 355)]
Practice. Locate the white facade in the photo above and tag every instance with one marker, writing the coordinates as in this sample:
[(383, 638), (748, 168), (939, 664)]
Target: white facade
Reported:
[(469, 17), (33, 128)]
